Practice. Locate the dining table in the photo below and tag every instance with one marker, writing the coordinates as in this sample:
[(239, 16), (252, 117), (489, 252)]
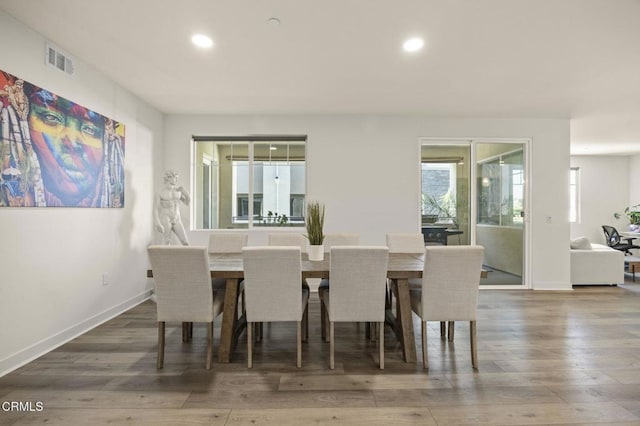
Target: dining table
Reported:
[(401, 268)]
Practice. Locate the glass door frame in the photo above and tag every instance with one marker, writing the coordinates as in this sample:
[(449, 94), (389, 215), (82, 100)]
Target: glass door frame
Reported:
[(473, 194)]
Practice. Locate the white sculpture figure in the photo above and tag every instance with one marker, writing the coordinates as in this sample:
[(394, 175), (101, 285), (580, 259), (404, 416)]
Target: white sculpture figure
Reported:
[(167, 210)]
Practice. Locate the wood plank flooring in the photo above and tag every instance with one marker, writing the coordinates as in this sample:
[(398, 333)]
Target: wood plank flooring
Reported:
[(545, 358)]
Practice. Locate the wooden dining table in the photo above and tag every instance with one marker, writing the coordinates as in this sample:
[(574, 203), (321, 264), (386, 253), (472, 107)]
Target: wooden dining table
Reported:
[(401, 268)]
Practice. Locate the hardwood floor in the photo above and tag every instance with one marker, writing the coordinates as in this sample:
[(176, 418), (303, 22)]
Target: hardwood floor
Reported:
[(545, 358)]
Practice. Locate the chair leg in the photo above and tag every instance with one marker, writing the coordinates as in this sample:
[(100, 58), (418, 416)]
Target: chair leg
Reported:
[(185, 332), (387, 297), (298, 344), (474, 344), (209, 345), (452, 329), (305, 323), (331, 346), (381, 343), (323, 319), (370, 331), (249, 345), (160, 361), (443, 329), (425, 358)]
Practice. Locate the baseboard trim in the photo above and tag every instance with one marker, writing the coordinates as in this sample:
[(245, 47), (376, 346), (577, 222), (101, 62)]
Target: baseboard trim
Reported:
[(552, 286), (17, 360)]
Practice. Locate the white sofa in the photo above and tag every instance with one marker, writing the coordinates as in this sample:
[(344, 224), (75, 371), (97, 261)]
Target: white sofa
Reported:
[(596, 265)]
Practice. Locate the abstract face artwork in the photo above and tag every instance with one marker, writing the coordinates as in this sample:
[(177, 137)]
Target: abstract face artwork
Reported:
[(54, 152)]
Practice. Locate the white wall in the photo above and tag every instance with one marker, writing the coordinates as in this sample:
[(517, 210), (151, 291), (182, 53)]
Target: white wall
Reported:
[(604, 190), (52, 259), (372, 187)]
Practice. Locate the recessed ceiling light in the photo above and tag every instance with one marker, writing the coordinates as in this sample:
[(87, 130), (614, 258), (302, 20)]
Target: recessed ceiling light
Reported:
[(413, 44), (201, 40), (274, 22)]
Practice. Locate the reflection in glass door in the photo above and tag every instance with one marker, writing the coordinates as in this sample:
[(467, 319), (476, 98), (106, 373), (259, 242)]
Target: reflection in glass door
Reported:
[(500, 201), (474, 192)]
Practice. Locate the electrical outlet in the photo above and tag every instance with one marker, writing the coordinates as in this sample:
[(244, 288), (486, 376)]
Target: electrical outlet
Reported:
[(105, 278)]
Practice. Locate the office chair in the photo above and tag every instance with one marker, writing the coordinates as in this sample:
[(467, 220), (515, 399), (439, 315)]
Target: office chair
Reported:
[(614, 240)]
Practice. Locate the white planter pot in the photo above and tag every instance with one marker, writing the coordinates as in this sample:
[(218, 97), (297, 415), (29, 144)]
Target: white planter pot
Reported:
[(316, 252)]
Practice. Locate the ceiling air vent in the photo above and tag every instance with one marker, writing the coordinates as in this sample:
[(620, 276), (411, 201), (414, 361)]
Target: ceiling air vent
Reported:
[(58, 59)]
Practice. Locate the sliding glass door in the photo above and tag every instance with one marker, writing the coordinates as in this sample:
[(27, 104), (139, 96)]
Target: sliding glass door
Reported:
[(474, 192), (500, 200)]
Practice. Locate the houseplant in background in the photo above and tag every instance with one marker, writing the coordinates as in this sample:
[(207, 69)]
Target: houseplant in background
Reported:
[(315, 230), (633, 213), (444, 208)]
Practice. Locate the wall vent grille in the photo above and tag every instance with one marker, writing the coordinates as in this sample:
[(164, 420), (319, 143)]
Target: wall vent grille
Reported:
[(56, 58)]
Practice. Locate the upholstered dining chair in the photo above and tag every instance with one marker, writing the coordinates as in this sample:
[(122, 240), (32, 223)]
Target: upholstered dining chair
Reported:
[(331, 240), (413, 243), (449, 292), (183, 291), (221, 242), (273, 292), (340, 239), (227, 241), (405, 243), (288, 239), (291, 240), (357, 292), (399, 242)]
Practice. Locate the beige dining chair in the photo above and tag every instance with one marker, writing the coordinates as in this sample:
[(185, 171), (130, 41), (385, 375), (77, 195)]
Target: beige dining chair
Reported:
[(288, 239), (227, 241), (183, 291), (450, 283), (340, 239), (402, 242), (273, 292), (331, 240), (412, 243), (291, 240), (357, 292), (221, 242)]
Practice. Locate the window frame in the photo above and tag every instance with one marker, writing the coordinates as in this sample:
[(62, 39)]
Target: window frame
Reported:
[(250, 141), (574, 197)]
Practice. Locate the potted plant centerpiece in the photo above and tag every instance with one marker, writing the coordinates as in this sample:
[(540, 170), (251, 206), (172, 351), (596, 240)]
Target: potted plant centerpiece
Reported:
[(633, 213), (315, 230)]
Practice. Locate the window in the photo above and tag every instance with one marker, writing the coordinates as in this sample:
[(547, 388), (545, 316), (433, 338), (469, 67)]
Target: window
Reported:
[(574, 193), (248, 182), (501, 190)]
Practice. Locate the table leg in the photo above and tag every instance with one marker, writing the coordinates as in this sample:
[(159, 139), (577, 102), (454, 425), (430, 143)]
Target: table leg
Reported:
[(406, 321), (229, 320)]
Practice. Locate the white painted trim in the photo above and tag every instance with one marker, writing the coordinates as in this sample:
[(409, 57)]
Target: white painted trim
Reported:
[(552, 286), (18, 359)]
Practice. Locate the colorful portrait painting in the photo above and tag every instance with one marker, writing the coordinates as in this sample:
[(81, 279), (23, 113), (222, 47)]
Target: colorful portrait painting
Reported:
[(56, 153)]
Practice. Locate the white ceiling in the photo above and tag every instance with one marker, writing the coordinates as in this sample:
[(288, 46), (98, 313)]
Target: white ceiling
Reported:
[(577, 59)]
